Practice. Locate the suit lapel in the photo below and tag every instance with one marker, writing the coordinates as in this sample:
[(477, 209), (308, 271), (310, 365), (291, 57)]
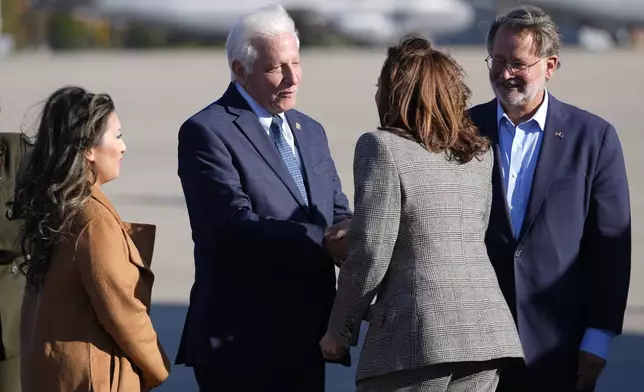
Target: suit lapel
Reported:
[(248, 123), (490, 128), (552, 149)]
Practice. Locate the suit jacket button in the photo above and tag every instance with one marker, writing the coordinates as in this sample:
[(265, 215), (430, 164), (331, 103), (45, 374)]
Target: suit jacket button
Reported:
[(518, 254)]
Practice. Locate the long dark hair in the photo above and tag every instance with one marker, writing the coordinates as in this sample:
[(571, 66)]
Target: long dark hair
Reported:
[(58, 180), (423, 97)]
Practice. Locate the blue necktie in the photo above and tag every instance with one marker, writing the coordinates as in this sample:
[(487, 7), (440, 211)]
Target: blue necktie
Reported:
[(287, 156)]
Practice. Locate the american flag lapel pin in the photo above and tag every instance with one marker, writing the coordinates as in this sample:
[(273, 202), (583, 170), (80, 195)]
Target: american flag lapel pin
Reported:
[(298, 126), (559, 135)]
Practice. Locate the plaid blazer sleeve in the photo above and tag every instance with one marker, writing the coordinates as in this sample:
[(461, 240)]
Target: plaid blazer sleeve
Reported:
[(372, 235)]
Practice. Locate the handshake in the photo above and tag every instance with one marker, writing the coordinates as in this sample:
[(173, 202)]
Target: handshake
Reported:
[(336, 241)]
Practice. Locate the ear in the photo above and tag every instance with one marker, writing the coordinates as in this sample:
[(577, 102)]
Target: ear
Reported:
[(552, 63), (89, 155), (241, 75)]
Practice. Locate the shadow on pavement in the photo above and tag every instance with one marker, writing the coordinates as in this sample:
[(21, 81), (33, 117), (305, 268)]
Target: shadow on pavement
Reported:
[(623, 373)]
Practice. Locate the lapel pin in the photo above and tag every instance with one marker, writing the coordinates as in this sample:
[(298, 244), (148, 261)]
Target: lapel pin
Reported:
[(298, 126), (559, 135)]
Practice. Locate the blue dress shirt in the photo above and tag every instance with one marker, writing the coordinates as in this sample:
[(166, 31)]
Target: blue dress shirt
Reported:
[(519, 147)]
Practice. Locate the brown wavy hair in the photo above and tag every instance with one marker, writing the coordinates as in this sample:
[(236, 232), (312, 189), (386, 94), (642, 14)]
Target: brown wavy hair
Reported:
[(422, 96), (58, 180)]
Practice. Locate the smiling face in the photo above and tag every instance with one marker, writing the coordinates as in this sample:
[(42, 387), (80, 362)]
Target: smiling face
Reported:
[(275, 75), (518, 74), (107, 156)]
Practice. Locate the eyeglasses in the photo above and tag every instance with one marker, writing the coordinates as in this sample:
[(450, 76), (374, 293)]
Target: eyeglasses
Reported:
[(515, 68)]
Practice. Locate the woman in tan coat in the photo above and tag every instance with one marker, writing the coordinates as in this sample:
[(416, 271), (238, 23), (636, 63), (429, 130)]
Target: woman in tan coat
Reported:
[(85, 315)]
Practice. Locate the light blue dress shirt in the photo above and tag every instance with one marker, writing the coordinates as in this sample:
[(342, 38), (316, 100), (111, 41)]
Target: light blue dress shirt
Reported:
[(265, 118), (519, 147)]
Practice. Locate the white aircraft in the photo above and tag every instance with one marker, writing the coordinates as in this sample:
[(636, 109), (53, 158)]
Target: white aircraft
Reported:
[(364, 21), (385, 21), (602, 23)]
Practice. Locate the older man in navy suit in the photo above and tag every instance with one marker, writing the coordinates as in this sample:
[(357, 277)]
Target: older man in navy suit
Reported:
[(263, 194), (560, 230)]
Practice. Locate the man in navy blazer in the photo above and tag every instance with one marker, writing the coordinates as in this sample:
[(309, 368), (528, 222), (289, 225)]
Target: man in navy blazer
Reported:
[(559, 235), (262, 192)]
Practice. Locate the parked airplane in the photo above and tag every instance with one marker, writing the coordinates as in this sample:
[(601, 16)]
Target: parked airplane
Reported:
[(364, 21), (593, 17), (384, 21)]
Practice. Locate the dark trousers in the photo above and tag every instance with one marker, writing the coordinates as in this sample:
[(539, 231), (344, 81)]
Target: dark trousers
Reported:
[(299, 378), (516, 377)]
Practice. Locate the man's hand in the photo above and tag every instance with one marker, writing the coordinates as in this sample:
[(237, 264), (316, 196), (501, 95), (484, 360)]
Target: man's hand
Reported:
[(338, 249), (336, 241), (337, 231), (589, 368), (331, 349)]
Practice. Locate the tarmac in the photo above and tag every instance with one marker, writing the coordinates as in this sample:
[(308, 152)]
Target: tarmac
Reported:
[(155, 92)]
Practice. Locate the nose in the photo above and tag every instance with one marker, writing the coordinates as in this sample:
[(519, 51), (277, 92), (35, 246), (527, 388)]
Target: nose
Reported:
[(290, 76), (506, 73), (123, 148)]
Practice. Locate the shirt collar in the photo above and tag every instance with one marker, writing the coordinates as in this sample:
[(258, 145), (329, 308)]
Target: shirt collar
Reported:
[(264, 116), (539, 116)]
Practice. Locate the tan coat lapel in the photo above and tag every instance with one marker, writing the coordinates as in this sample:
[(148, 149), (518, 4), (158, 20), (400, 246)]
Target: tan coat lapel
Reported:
[(140, 237)]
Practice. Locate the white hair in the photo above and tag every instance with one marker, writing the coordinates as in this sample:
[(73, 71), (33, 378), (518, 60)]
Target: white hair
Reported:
[(268, 21)]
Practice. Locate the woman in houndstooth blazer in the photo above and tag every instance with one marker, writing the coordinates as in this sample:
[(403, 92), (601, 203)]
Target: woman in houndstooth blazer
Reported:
[(423, 193)]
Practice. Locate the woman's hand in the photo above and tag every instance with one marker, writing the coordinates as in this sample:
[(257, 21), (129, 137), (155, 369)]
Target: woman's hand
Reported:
[(331, 349)]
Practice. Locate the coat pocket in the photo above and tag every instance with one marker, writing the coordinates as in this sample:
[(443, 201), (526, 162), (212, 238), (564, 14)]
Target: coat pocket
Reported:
[(323, 166)]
